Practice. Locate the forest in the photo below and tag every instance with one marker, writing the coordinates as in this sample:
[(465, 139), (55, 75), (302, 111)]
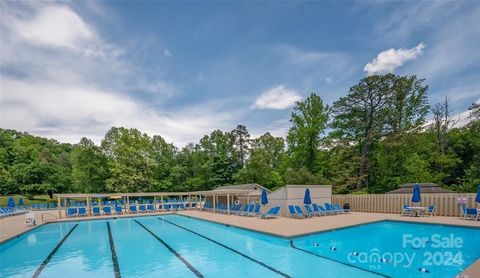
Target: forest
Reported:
[(381, 134)]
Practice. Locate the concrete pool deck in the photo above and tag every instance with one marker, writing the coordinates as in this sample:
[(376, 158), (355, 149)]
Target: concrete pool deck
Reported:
[(284, 227)]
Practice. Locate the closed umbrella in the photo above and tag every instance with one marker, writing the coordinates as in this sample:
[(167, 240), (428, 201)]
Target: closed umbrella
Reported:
[(306, 199), (264, 199), (11, 202), (416, 194), (477, 199), (20, 202)]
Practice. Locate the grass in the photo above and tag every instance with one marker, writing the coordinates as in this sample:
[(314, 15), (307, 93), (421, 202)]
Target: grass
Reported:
[(27, 202)]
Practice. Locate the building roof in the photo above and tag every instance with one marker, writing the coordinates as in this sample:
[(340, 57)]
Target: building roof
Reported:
[(248, 186), (407, 188)]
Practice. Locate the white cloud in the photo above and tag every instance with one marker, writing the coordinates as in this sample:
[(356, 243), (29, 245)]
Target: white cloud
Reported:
[(53, 26), (68, 113), (388, 60), (167, 53), (278, 97)]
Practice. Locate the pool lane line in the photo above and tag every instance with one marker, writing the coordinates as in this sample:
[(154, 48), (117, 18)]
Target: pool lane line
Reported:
[(230, 248), (183, 260), (116, 267), (52, 253), (337, 261)]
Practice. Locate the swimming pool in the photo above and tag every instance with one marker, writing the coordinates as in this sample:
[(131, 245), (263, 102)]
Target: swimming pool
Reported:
[(178, 246)]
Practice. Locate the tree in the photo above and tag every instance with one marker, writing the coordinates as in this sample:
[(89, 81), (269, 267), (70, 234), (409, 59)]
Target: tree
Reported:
[(360, 118), (241, 139), (309, 119), (129, 154), (90, 167)]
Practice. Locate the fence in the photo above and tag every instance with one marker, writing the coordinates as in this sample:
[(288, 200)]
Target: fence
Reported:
[(445, 203)]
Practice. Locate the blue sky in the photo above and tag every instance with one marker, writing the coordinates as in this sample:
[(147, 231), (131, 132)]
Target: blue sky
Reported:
[(183, 69)]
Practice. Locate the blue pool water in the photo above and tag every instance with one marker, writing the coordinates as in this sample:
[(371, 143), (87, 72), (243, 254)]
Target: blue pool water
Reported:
[(178, 246)]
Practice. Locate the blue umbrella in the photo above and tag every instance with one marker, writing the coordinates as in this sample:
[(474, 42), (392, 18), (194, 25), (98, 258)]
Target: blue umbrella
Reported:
[(20, 202), (416, 194), (11, 202), (264, 197), (477, 199), (306, 199), (67, 200)]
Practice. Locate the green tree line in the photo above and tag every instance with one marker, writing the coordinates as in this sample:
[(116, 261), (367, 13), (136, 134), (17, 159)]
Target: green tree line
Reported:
[(373, 139)]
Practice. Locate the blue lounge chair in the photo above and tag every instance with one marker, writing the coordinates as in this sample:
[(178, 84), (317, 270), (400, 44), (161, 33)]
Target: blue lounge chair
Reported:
[(71, 212), (299, 210), (430, 210), (150, 208), (133, 209), (142, 208), (107, 210), (96, 211), (331, 208), (82, 211), (471, 213), (339, 208), (118, 210), (249, 210), (309, 210), (318, 211), (293, 213), (271, 213), (407, 210), (256, 211)]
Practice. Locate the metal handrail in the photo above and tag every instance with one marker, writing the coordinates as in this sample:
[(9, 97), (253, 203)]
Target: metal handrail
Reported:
[(48, 214)]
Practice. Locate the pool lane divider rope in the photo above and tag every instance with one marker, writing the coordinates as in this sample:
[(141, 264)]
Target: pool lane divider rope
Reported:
[(229, 248), (52, 253), (183, 260), (337, 261), (116, 267)]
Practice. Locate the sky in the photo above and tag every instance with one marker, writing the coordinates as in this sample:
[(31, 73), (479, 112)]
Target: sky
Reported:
[(183, 69)]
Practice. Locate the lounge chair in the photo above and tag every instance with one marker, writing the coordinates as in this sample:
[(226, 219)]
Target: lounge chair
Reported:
[(142, 208), (107, 210), (471, 213), (150, 208), (298, 209), (309, 210), (331, 208), (71, 212), (339, 208), (133, 209), (118, 210), (407, 210), (30, 219), (271, 213), (249, 210), (82, 211), (430, 210), (293, 213), (256, 211), (318, 211), (96, 211)]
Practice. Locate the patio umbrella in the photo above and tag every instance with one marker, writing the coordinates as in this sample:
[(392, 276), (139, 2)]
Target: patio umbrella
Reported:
[(306, 199), (477, 199), (11, 202), (416, 194), (264, 200), (67, 200), (20, 202)]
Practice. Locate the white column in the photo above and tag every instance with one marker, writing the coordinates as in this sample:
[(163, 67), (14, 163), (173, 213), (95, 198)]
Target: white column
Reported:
[(59, 204), (228, 203), (214, 204)]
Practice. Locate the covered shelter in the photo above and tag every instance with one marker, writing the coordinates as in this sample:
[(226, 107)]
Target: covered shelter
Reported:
[(425, 188), (294, 195)]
